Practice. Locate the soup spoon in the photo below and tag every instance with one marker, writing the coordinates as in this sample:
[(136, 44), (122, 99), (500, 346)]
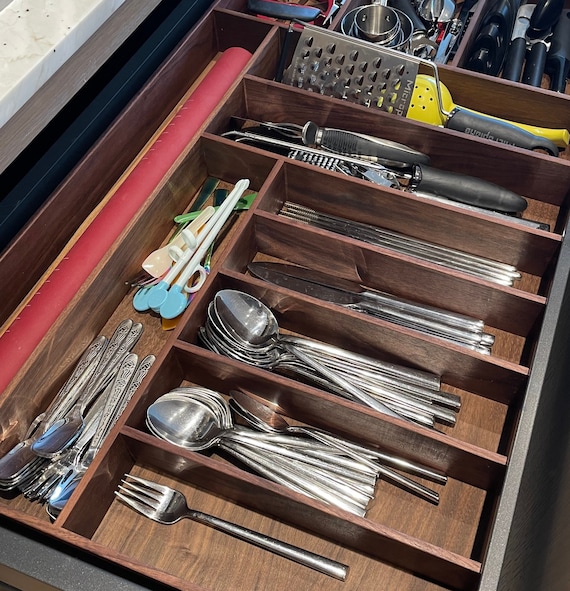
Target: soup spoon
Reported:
[(254, 323), (191, 423)]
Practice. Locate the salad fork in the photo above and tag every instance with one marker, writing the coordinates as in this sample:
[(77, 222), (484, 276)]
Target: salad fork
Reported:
[(167, 506)]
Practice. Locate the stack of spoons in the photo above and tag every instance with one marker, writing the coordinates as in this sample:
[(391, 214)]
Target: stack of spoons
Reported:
[(241, 327), (77, 420), (197, 418)]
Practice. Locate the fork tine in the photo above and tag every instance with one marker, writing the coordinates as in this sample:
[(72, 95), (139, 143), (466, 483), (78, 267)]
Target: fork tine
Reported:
[(150, 498), (160, 488), (141, 508)]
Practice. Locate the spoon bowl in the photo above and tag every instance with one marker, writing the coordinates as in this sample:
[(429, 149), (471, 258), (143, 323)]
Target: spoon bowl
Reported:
[(185, 422), (159, 261), (248, 318)]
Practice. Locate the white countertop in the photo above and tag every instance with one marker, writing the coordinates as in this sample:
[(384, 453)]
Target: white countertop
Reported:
[(37, 37), (48, 50)]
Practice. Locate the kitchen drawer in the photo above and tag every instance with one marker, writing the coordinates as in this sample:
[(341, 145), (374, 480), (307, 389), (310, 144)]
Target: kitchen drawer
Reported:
[(495, 446)]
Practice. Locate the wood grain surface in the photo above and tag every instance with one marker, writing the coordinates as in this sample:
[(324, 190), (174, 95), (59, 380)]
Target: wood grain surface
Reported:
[(403, 543)]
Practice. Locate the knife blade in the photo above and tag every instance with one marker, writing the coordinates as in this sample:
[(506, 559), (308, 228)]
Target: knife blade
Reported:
[(431, 320)]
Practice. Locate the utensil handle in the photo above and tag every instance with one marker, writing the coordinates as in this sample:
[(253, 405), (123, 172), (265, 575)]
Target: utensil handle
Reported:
[(340, 381), (534, 64), (506, 132), (425, 310), (327, 566), (404, 481), (466, 189)]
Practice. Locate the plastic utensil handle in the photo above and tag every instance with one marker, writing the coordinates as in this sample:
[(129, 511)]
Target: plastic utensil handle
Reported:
[(359, 145), (211, 230), (534, 64), (467, 189), (515, 59), (484, 126), (190, 256), (283, 10)]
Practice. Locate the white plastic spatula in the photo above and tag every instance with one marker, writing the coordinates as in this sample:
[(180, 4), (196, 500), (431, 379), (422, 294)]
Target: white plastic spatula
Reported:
[(160, 260)]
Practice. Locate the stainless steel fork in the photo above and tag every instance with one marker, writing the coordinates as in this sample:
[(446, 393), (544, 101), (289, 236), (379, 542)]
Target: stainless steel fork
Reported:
[(166, 505)]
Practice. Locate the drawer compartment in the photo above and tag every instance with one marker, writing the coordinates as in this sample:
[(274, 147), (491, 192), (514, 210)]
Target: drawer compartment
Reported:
[(408, 542)]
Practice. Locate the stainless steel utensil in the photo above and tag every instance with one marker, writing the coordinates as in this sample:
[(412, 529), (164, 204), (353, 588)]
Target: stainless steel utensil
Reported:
[(168, 506)]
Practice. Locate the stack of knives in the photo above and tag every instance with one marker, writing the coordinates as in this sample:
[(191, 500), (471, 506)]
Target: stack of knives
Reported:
[(453, 327)]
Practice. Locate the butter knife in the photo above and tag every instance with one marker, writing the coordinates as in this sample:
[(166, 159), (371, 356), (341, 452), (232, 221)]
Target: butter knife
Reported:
[(429, 319)]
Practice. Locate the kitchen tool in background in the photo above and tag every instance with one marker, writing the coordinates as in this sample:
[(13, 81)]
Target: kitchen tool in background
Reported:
[(487, 53), (424, 107), (414, 177), (539, 33), (379, 24), (466, 12), (447, 44), (420, 43), (287, 11), (167, 506), (558, 58), (330, 63), (516, 52)]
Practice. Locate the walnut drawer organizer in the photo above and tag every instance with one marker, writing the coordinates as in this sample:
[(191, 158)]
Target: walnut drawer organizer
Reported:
[(403, 543)]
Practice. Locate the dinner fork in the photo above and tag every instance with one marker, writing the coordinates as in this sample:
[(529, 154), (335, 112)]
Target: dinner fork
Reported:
[(167, 506)]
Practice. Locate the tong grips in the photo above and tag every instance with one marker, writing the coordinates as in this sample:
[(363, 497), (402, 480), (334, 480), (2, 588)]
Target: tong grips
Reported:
[(466, 189), (361, 146)]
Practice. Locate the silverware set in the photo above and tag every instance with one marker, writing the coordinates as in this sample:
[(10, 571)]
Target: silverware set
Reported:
[(241, 327), (61, 442), (481, 267), (310, 461), (453, 327)]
